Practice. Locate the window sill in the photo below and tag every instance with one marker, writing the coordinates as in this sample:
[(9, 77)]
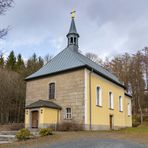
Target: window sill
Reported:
[(111, 109), (99, 105), (52, 99), (67, 119)]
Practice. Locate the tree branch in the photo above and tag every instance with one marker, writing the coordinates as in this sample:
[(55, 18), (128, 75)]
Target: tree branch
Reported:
[(5, 5), (3, 33)]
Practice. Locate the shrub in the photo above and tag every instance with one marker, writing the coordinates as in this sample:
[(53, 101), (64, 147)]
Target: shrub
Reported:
[(135, 124), (45, 132), (67, 126), (135, 121), (145, 118), (23, 134)]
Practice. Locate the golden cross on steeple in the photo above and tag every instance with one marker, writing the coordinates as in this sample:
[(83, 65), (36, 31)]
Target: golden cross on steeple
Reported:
[(73, 13)]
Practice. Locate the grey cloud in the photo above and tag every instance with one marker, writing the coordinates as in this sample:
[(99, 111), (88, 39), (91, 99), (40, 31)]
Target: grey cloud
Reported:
[(106, 27)]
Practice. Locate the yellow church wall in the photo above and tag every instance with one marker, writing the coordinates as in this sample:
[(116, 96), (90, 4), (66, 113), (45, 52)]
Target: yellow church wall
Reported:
[(27, 118), (48, 116), (100, 115)]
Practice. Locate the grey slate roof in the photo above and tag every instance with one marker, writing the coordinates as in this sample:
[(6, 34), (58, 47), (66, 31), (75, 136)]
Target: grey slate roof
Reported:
[(72, 27), (69, 59), (43, 103)]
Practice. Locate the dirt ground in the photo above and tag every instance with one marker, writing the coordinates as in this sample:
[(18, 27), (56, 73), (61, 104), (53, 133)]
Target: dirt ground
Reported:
[(139, 137)]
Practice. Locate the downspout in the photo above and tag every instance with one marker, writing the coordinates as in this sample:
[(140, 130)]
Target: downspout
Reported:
[(90, 125), (57, 124)]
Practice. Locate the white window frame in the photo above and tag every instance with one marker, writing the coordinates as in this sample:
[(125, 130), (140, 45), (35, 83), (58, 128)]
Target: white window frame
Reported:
[(120, 103), (129, 109), (98, 96), (67, 114), (111, 100)]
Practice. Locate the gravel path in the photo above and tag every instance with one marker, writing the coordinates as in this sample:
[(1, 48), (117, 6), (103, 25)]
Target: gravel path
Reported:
[(93, 143), (84, 140)]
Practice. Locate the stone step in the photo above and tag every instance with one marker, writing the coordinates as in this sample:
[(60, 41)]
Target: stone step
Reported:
[(7, 138), (3, 142), (8, 132)]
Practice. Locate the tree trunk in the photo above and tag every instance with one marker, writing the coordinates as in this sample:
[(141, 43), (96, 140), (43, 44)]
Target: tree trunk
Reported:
[(141, 113)]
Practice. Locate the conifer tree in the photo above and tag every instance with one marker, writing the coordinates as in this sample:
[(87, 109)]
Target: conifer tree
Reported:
[(1, 61), (20, 66), (40, 62), (34, 64), (11, 61)]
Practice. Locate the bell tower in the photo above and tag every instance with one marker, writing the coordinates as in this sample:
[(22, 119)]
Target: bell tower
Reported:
[(72, 34)]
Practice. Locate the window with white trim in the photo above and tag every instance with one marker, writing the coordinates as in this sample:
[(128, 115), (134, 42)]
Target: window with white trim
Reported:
[(120, 104), (129, 109), (98, 96), (68, 113), (111, 100)]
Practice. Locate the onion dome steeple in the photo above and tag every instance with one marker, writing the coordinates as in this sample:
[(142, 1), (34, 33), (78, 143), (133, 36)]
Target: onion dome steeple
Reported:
[(72, 34)]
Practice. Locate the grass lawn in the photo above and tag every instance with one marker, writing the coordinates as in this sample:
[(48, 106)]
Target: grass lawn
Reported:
[(142, 129), (133, 130)]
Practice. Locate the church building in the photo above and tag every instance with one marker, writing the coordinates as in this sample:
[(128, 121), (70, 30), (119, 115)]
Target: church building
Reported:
[(72, 88)]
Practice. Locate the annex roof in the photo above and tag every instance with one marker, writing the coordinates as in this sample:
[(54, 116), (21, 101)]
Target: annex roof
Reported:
[(43, 103)]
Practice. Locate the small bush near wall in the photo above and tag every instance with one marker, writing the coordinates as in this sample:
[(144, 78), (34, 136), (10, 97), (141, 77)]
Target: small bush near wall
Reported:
[(66, 126), (23, 134), (45, 132), (135, 121)]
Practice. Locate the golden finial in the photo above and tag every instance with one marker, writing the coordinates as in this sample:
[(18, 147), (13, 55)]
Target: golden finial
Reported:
[(73, 13)]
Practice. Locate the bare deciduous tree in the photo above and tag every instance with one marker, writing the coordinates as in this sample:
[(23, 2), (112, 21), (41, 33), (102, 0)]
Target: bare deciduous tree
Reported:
[(94, 57), (4, 6), (133, 71), (47, 58)]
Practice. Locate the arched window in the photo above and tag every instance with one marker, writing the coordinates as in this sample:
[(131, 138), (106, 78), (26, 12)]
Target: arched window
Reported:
[(75, 40), (71, 40), (98, 96), (129, 109), (120, 104), (52, 91), (111, 100)]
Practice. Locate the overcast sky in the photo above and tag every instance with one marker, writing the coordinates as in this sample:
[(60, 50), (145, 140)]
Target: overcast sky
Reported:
[(106, 27)]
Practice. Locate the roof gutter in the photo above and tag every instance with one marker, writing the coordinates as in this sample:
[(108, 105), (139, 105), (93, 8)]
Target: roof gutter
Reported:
[(130, 96), (75, 68), (90, 99), (54, 73), (102, 75)]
